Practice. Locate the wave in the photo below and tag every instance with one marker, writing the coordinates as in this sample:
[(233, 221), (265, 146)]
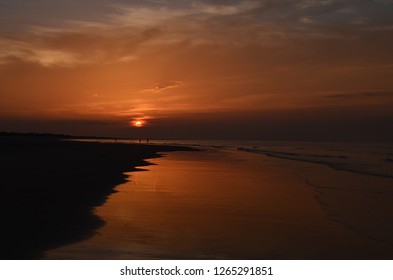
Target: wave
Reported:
[(371, 167), (365, 158)]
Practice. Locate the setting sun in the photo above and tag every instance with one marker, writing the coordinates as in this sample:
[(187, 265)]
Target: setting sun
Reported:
[(138, 123)]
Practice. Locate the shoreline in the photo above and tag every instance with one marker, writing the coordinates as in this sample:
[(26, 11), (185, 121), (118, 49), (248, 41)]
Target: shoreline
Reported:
[(222, 204), (337, 167), (50, 188), (72, 200), (360, 202)]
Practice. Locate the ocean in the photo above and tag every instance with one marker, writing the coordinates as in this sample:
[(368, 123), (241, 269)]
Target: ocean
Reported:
[(374, 159)]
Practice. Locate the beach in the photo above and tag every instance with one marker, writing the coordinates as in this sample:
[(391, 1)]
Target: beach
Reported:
[(223, 203), (236, 131), (49, 188)]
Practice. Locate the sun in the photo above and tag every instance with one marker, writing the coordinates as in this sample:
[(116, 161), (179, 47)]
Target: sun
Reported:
[(138, 123)]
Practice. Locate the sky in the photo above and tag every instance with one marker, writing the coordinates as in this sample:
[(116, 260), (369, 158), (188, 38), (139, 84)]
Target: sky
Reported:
[(262, 70)]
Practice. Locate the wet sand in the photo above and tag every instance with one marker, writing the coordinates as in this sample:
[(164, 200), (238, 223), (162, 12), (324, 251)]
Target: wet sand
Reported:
[(221, 204), (49, 188)]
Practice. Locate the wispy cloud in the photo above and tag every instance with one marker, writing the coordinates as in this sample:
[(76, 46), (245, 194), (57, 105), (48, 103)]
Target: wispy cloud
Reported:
[(128, 27), (198, 55), (163, 86), (358, 95)]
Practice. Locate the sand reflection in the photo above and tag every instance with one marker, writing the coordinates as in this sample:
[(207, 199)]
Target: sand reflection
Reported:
[(215, 204)]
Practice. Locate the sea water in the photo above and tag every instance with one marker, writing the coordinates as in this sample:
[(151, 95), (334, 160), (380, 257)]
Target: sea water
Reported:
[(231, 201), (366, 158), (374, 159)]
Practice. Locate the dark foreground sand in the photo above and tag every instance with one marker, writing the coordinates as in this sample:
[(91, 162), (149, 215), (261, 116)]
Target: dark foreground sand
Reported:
[(48, 189)]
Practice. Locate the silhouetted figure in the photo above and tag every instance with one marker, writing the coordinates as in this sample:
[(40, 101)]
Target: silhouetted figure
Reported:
[(139, 141), (147, 141)]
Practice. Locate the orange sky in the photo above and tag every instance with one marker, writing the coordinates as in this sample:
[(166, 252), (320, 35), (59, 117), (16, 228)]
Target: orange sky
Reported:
[(198, 68)]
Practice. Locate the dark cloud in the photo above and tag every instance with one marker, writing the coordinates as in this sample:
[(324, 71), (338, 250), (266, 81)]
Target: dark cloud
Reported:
[(360, 95), (166, 85)]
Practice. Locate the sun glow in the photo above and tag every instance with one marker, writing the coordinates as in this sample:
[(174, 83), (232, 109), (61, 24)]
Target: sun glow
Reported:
[(138, 123)]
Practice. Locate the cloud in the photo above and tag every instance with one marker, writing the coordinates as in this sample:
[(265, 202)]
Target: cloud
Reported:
[(359, 94), (163, 86), (70, 48), (140, 26), (224, 9), (200, 56)]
